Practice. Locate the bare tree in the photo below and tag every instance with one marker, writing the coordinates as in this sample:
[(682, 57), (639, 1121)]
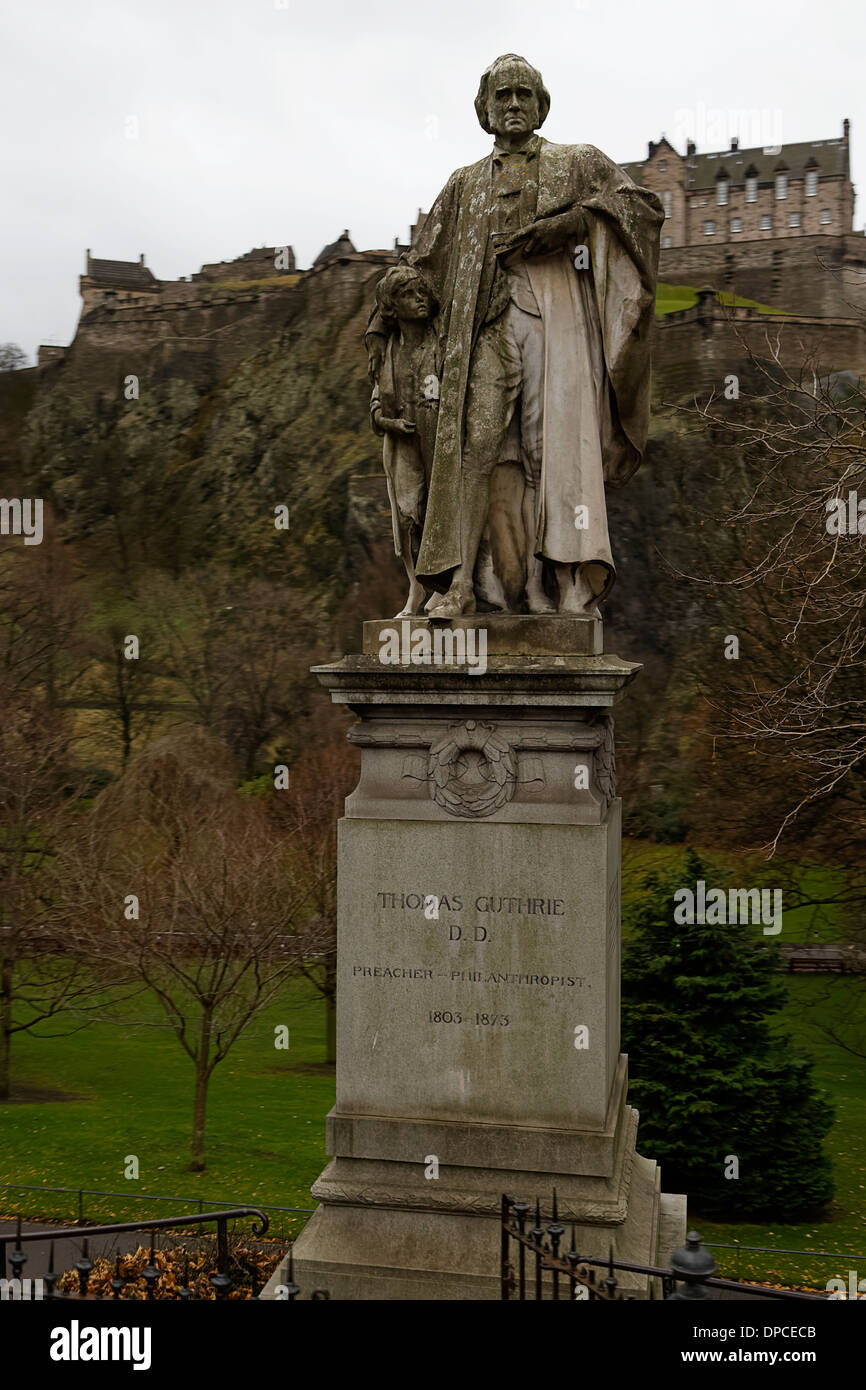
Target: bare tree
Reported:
[(186, 888), (307, 811), (126, 679), (12, 357), (788, 575), (43, 976), (239, 653), (43, 613)]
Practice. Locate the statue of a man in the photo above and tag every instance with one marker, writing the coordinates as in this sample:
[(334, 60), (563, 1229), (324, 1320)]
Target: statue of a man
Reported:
[(543, 260)]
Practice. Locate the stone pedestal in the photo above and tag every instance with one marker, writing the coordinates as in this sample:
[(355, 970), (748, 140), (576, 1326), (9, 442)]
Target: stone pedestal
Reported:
[(478, 967)]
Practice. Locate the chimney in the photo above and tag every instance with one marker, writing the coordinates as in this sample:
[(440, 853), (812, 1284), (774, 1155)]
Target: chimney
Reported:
[(651, 149), (87, 267), (846, 127), (735, 142), (141, 259), (691, 147)]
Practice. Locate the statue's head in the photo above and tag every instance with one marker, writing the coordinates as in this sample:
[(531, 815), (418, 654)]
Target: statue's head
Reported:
[(512, 98), (402, 294)]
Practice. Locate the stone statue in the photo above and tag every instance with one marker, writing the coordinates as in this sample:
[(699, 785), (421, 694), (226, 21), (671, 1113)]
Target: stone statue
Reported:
[(403, 409), (543, 261)]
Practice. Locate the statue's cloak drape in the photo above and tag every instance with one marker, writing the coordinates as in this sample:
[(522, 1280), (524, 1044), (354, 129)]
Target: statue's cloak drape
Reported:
[(454, 254)]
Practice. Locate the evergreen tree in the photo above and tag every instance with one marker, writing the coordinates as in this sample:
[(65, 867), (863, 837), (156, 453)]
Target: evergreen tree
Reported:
[(711, 1076)]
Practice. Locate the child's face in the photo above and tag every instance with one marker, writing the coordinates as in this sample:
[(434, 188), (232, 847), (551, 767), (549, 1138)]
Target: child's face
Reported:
[(411, 300)]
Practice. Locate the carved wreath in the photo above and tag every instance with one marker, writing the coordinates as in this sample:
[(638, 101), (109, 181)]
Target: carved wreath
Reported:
[(467, 785)]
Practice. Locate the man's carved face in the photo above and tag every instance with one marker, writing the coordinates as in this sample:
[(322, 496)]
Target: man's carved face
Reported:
[(512, 101)]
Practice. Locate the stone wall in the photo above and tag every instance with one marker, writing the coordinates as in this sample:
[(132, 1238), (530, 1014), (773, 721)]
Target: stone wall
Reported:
[(199, 331), (823, 275), (336, 286), (195, 332), (695, 350)]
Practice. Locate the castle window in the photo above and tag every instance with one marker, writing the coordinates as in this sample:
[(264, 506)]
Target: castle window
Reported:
[(825, 217), (722, 192), (781, 186), (663, 164), (736, 225), (667, 241), (794, 219), (811, 183), (766, 223), (751, 190), (709, 228), (666, 203)]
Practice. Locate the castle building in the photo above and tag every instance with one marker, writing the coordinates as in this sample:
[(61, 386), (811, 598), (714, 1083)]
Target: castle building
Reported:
[(735, 195), (336, 250), (259, 264), (117, 282)]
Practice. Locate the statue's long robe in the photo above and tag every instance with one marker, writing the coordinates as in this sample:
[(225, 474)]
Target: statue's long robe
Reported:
[(454, 255)]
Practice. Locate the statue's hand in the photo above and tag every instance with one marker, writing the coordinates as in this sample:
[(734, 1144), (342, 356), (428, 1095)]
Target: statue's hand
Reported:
[(396, 426), (550, 234)]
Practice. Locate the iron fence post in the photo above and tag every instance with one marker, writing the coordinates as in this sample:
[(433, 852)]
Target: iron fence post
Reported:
[(84, 1266), (51, 1276), (537, 1235), (504, 1269), (572, 1258), (521, 1208), (222, 1280), (691, 1265), (556, 1231), (150, 1275), (17, 1259)]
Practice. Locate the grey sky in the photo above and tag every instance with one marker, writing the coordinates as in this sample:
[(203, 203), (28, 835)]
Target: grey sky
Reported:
[(262, 122)]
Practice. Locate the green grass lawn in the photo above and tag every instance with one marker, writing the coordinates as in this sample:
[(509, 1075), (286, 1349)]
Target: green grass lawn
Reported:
[(844, 1079), (129, 1091), (670, 298)]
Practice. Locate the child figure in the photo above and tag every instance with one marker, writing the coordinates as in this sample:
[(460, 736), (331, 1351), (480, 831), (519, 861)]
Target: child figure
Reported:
[(403, 409)]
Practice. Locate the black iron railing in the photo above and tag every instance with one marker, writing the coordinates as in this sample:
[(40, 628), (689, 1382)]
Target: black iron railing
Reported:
[(544, 1267), (45, 1285)]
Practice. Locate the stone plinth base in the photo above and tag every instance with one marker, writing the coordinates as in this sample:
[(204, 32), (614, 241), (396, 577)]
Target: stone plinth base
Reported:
[(505, 634), (385, 1231), (478, 1047)]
